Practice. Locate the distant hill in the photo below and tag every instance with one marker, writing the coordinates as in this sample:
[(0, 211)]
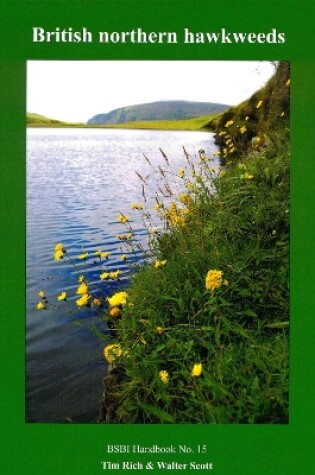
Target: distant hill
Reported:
[(161, 110)]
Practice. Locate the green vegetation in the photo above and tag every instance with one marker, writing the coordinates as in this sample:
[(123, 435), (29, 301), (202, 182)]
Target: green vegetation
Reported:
[(196, 123), (158, 111), (37, 120), (203, 337)]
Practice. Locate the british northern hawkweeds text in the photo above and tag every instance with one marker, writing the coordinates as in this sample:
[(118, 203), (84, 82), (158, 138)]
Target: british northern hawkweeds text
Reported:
[(140, 36)]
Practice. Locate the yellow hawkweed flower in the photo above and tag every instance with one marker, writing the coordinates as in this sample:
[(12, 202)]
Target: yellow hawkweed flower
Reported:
[(104, 276), (153, 231), (120, 298), (243, 129), (114, 275), (136, 206), (59, 247), (82, 289), (216, 153), (197, 370), (84, 255), (181, 173), (62, 296), (41, 294), (114, 312), (123, 257), (164, 376), (83, 300), (81, 279), (232, 150), (159, 264), (122, 218), (105, 255), (128, 235), (214, 279), (112, 352), (229, 122), (159, 330), (223, 132), (58, 255), (157, 206), (40, 306), (98, 253), (259, 104), (97, 302)]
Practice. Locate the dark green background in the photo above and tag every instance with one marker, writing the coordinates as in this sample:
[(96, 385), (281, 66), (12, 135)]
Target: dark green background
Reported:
[(78, 449)]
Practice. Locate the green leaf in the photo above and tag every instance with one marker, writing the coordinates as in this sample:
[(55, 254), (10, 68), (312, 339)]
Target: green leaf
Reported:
[(278, 325), (162, 415)]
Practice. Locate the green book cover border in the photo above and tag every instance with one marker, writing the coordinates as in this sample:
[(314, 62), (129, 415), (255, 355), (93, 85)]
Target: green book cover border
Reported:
[(79, 449)]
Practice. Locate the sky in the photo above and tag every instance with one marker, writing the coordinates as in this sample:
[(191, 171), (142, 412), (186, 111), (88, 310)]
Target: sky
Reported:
[(75, 91)]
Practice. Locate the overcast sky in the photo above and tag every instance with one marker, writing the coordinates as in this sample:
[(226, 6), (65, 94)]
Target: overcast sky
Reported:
[(77, 90)]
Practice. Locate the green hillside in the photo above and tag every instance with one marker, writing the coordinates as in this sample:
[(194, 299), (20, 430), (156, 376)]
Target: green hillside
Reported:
[(37, 120), (161, 110)]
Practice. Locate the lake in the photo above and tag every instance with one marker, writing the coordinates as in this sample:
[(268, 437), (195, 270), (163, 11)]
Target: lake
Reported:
[(78, 181)]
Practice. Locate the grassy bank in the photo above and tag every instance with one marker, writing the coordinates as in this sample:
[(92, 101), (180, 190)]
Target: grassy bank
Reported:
[(197, 123), (202, 331)]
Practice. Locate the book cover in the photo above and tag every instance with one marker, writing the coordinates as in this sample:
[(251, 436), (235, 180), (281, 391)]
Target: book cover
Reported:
[(122, 123)]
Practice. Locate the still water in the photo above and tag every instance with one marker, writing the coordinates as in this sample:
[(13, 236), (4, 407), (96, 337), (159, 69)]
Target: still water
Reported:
[(77, 182)]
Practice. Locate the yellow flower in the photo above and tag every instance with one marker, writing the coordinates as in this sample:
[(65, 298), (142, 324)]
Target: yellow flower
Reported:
[(157, 206), (232, 150), (122, 218), (84, 255), (98, 253), (62, 296), (104, 276), (120, 298), (105, 255), (83, 289), (59, 247), (223, 132), (41, 294), (159, 330), (114, 312), (81, 279), (181, 173), (243, 129), (97, 302), (164, 376), (114, 275), (123, 257), (288, 82), (229, 122), (58, 255), (259, 104), (214, 279), (197, 370), (112, 352), (83, 300), (136, 206), (40, 306), (128, 235), (159, 264)]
